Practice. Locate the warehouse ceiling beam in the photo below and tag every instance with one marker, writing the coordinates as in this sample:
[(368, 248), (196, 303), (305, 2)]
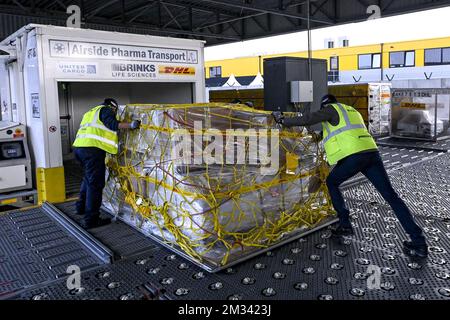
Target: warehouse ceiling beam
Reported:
[(151, 3), (190, 18), (172, 18), (134, 9), (320, 8), (100, 8), (218, 21), (156, 29), (17, 3), (196, 6), (205, 22), (269, 22), (387, 6), (143, 11), (220, 26), (292, 4), (60, 18), (336, 11), (259, 24), (45, 4), (159, 12), (231, 26), (264, 10), (317, 7), (123, 9), (82, 6), (190, 33), (62, 5), (363, 3)]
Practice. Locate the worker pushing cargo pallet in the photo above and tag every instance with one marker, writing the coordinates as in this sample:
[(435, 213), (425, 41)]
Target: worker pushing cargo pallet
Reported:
[(352, 150)]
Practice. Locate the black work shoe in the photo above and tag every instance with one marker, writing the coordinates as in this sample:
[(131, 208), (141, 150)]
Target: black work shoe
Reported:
[(80, 209), (340, 231), (414, 250), (95, 223)]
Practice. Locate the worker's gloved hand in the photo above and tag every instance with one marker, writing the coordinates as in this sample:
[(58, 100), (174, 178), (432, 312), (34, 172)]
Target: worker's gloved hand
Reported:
[(278, 117), (135, 124)]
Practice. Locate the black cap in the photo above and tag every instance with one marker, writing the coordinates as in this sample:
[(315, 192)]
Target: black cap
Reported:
[(327, 99), (111, 102), (249, 104)]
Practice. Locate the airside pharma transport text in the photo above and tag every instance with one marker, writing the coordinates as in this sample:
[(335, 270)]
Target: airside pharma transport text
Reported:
[(119, 52)]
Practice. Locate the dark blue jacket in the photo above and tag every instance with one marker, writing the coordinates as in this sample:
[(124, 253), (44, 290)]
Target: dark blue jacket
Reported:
[(108, 117)]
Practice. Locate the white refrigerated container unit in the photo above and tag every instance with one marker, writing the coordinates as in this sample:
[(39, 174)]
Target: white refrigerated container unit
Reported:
[(15, 163), (53, 75)]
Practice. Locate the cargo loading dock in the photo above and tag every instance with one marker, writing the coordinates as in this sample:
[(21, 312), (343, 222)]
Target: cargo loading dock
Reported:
[(118, 262), (124, 264)]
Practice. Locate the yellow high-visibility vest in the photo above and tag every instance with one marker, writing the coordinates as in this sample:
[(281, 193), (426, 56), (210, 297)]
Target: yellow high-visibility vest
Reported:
[(93, 133), (348, 137)]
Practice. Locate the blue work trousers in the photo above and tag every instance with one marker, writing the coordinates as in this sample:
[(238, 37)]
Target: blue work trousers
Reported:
[(93, 163), (371, 165)]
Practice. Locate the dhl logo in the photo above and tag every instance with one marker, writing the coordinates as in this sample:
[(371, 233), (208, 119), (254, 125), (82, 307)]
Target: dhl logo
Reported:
[(181, 71), (412, 105)]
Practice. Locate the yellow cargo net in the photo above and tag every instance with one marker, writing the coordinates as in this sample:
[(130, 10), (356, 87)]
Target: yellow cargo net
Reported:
[(217, 211)]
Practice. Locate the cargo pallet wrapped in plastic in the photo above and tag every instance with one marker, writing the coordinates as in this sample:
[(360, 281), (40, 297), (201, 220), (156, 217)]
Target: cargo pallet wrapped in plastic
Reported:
[(216, 183)]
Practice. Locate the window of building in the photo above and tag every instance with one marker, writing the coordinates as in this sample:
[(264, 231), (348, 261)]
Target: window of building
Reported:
[(330, 44), (333, 74), (369, 61), (402, 59), (446, 55), (437, 56), (433, 56), (334, 63), (376, 61), (365, 61), (215, 72), (410, 59), (345, 43)]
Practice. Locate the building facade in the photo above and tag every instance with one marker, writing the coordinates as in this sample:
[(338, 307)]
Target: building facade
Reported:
[(427, 59)]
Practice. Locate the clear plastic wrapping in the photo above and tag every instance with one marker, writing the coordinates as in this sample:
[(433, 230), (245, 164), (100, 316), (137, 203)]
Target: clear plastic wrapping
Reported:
[(221, 211)]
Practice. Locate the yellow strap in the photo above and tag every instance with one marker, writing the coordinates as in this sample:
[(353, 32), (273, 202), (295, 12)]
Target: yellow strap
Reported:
[(168, 199)]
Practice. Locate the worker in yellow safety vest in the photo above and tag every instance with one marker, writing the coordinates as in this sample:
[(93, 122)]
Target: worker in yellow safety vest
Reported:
[(97, 136), (351, 149)]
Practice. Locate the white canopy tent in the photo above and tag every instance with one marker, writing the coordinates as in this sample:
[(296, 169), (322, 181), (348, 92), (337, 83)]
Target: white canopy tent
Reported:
[(258, 81), (231, 82)]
